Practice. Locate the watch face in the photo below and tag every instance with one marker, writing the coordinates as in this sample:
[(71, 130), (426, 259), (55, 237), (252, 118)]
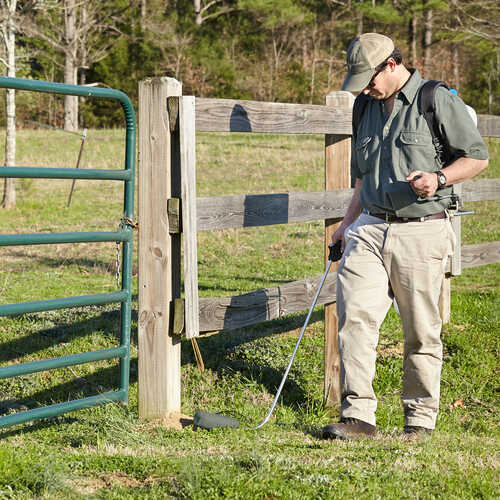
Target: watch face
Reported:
[(441, 180)]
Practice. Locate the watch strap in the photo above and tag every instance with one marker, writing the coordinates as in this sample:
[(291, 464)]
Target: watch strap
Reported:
[(441, 178)]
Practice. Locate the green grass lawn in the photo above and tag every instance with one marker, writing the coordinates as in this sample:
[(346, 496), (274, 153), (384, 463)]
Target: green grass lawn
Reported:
[(107, 452)]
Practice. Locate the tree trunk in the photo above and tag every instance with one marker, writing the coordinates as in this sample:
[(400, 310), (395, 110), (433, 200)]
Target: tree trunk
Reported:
[(412, 39), (427, 41), (70, 68), (360, 24), (315, 43), (143, 14), (197, 11), (83, 50), (9, 192), (456, 67), (360, 20)]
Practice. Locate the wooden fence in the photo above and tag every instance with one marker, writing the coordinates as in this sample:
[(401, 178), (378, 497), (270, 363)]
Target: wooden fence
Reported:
[(168, 207)]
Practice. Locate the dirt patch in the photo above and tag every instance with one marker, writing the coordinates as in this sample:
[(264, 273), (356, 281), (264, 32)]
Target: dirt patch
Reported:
[(86, 485), (173, 420), (118, 478), (392, 350), (91, 485)]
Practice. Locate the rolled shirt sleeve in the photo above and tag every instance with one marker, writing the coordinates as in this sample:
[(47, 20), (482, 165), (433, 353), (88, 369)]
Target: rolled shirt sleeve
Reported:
[(457, 127)]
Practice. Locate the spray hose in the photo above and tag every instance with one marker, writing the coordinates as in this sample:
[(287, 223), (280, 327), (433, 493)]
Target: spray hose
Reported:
[(210, 420)]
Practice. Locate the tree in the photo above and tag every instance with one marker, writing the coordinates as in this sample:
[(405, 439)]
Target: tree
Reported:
[(474, 26), (81, 32), (162, 33), (427, 38), (8, 35), (202, 8), (280, 22)]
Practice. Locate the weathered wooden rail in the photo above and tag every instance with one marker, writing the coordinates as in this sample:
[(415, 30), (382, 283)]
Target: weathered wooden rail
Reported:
[(168, 207)]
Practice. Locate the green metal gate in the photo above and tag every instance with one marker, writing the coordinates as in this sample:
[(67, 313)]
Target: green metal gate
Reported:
[(123, 235)]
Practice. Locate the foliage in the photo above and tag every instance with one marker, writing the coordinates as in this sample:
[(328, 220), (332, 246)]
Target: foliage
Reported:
[(286, 50)]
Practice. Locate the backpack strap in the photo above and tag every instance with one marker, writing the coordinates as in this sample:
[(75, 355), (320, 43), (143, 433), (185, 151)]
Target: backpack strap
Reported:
[(357, 112), (426, 107)]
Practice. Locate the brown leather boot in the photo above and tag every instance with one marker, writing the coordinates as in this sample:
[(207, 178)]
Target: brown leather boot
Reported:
[(348, 428), (416, 430)]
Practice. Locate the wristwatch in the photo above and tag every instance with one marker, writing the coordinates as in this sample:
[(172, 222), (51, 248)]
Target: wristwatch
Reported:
[(441, 179)]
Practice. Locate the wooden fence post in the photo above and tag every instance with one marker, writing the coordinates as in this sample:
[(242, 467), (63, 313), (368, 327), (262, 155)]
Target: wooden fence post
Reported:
[(337, 176), (187, 142), (455, 265), (159, 253)]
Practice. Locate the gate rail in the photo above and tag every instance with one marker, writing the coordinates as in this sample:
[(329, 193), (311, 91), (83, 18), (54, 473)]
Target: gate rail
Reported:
[(123, 235)]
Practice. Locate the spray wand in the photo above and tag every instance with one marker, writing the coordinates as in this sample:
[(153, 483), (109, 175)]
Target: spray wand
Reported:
[(207, 420)]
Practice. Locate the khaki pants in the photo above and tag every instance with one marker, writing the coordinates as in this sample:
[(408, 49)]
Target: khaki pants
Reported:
[(381, 261)]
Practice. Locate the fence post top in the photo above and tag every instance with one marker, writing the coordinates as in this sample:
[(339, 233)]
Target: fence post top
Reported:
[(340, 98), (174, 87)]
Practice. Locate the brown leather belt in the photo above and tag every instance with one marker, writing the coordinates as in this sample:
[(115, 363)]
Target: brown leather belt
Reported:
[(394, 218)]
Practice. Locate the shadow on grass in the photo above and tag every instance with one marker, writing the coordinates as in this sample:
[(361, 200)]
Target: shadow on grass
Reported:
[(104, 380), (62, 332), (104, 266), (37, 425), (217, 350), (223, 354)]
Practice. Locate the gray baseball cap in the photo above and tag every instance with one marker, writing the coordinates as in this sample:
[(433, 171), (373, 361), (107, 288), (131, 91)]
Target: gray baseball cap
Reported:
[(364, 54)]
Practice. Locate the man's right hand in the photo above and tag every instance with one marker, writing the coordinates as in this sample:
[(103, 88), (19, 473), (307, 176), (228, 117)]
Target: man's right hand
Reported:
[(339, 234), (353, 210)]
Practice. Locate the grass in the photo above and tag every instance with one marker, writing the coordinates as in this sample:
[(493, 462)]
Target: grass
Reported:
[(107, 452)]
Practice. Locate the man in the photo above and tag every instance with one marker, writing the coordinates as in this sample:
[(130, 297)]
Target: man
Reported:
[(399, 245)]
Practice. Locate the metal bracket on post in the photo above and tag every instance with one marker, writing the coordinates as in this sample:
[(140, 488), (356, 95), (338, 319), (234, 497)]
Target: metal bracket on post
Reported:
[(173, 113), (174, 213), (179, 317)]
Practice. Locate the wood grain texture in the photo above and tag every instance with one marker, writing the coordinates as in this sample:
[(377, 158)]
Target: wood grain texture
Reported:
[(480, 254), (489, 125), (337, 176), (455, 264), (228, 115), (238, 211), (456, 224), (159, 352), (187, 140), (481, 190), (228, 313), (271, 303), (445, 300)]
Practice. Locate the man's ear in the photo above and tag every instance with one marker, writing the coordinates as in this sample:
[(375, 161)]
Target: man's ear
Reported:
[(391, 63)]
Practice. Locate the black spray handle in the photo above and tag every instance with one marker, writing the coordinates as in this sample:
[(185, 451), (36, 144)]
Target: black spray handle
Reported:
[(335, 251)]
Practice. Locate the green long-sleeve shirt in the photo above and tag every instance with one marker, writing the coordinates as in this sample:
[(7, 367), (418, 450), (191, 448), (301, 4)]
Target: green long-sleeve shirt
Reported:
[(388, 148)]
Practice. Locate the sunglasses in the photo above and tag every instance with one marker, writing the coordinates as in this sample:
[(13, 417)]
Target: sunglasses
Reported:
[(371, 83)]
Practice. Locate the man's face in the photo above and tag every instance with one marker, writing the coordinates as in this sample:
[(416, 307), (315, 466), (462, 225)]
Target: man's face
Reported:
[(382, 85)]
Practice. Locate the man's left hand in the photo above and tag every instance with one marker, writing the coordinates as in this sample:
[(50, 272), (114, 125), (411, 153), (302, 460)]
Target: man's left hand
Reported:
[(424, 184)]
